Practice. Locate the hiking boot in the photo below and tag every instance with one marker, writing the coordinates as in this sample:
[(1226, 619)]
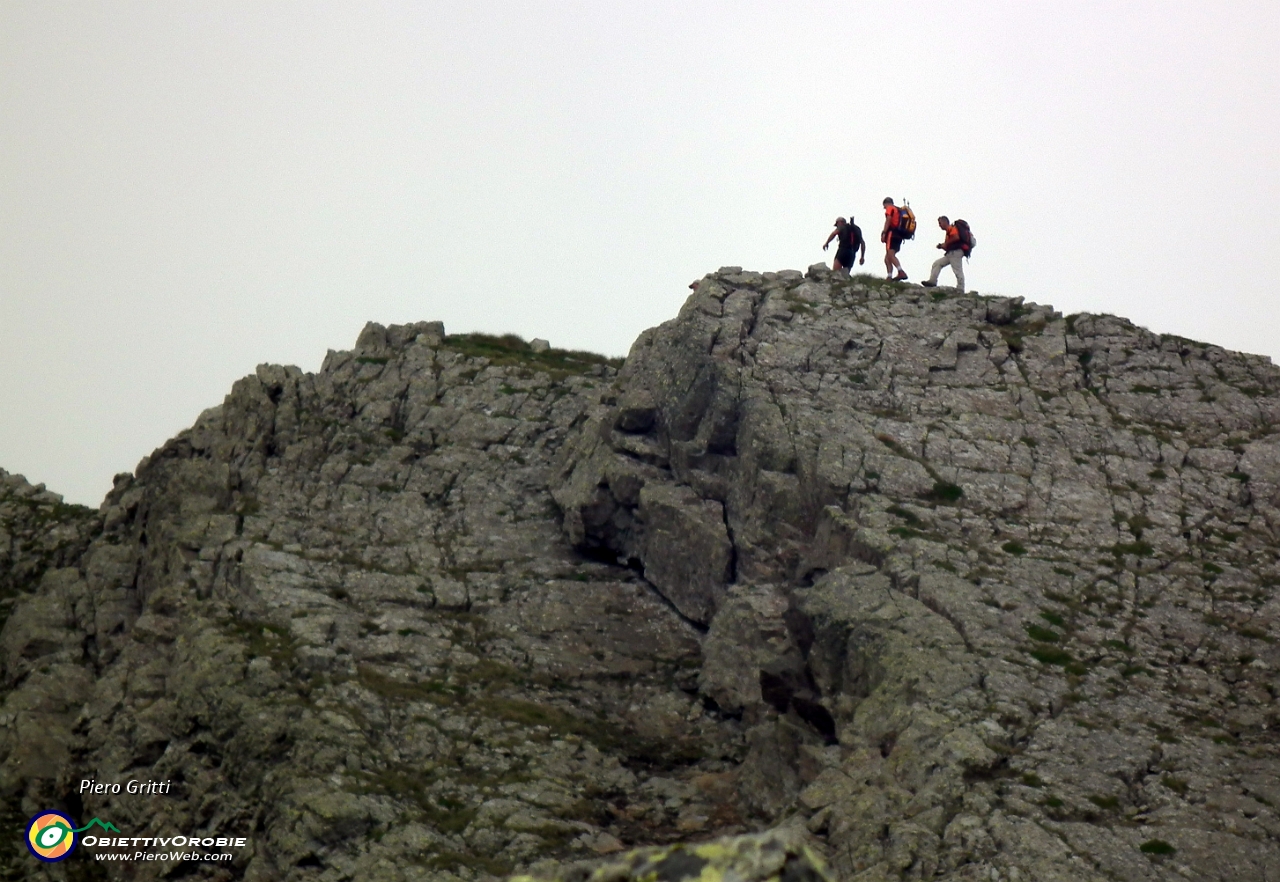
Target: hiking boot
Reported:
[(900, 277), (928, 284)]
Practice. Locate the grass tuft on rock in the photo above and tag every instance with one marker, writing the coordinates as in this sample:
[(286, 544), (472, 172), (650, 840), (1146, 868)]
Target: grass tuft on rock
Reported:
[(511, 349)]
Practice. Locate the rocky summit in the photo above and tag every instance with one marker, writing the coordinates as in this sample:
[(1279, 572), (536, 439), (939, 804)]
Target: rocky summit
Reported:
[(832, 579)]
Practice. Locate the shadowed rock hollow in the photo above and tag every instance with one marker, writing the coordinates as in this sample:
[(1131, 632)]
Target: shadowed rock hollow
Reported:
[(943, 587)]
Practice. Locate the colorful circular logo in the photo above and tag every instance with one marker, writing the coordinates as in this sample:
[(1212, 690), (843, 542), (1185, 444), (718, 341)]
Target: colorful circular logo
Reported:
[(51, 836)]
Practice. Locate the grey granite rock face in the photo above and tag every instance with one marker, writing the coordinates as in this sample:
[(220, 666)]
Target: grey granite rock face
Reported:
[(340, 615), (38, 532), (1029, 562), (41, 540), (942, 587)]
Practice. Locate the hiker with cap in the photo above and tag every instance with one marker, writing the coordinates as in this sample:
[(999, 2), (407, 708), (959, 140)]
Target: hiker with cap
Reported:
[(955, 247), (850, 236), (891, 236)]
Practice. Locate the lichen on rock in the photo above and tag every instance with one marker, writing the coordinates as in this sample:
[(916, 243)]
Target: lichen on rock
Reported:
[(770, 857)]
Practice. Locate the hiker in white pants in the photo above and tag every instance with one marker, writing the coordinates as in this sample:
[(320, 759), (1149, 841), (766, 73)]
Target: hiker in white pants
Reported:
[(952, 256)]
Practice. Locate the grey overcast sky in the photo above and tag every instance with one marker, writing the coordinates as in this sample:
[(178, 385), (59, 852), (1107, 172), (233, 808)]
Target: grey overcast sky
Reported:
[(190, 189)]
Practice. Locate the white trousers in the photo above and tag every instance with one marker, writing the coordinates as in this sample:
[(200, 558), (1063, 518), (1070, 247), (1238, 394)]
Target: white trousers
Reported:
[(953, 259)]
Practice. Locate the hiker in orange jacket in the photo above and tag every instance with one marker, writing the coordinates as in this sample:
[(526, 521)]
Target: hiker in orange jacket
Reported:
[(952, 247), (891, 236)]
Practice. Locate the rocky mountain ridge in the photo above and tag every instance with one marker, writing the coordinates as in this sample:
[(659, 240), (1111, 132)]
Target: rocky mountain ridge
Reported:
[(943, 586)]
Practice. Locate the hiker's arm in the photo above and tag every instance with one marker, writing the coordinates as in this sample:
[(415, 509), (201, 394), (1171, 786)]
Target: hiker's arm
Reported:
[(863, 259), (834, 233)]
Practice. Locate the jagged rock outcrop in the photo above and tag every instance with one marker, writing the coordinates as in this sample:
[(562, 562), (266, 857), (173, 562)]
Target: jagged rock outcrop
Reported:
[(339, 614), (1029, 562), (41, 538), (946, 586), (38, 532)]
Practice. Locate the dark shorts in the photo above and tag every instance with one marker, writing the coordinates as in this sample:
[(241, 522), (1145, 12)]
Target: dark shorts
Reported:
[(895, 241), (845, 257)]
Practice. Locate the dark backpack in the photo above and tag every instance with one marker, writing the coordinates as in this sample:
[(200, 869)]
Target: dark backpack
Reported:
[(855, 237), (967, 240)]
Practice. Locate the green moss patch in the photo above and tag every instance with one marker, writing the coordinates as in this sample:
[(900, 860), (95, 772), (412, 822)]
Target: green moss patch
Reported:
[(1051, 655), (511, 349), (1138, 549), (1043, 635)]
